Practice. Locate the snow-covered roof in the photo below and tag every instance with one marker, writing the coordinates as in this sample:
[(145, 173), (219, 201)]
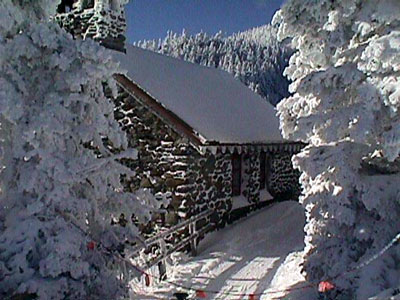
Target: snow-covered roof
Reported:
[(219, 108)]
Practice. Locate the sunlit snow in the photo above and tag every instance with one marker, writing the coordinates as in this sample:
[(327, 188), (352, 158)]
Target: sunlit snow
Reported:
[(260, 254)]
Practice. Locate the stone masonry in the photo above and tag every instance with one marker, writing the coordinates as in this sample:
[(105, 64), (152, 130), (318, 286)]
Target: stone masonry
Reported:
[(101, 20), (283, 180), (171, 168), (251, 177)]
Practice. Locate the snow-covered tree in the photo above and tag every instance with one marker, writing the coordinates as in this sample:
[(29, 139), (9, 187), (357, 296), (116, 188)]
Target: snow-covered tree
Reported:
[(59, 162), (255, 56), (345, 105)]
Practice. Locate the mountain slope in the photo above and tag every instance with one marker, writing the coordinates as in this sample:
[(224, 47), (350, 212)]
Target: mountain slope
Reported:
[(255, 56)]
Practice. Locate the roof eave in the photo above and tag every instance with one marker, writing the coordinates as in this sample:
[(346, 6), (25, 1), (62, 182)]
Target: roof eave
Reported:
[(170, 118), (199, 142), (272, 147)]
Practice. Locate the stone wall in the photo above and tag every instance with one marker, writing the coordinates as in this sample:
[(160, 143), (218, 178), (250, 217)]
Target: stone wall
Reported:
[(171, 168), (103, 23), (162, 155), (212, 177), (251, 176), (283, 180)]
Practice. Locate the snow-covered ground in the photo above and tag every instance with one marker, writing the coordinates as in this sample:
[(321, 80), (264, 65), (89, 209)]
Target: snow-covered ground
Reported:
[(259, 254)]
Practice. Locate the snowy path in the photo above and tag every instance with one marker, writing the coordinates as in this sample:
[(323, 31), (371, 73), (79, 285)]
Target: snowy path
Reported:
[(255, 255)]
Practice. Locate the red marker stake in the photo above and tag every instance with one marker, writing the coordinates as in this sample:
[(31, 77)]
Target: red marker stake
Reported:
[(90, 245), (325, 286), (201, 294), (147, 279)]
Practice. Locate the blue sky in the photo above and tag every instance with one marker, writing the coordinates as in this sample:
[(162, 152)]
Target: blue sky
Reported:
[(150, 19)]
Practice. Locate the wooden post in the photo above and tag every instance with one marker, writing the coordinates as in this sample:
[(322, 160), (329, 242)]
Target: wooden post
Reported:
[(162, 267), (193, 242)]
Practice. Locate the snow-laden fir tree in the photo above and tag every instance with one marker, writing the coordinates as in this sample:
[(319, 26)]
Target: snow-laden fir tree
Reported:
[(345, 104), (255, 57), (60, 175)]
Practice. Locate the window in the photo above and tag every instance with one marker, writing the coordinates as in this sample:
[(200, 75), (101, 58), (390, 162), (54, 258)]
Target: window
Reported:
[(262, 170), (267, 170), (236, 174), (65, 6), (88, 4), (114, 5)]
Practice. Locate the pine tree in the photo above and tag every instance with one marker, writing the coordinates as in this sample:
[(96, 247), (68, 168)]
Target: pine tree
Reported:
[(345, 105), (59, 162)]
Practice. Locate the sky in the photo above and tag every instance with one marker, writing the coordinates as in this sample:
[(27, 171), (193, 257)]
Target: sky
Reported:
[(151, 19)]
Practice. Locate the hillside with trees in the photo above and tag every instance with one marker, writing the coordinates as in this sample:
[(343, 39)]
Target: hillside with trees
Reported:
[(255, 56)]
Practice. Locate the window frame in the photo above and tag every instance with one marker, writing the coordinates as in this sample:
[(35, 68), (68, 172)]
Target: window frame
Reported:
[(236, 174), (263, 170), (66, 6)]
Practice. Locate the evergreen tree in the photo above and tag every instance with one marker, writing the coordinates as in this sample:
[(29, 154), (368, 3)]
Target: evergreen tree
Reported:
[(59, 162), (345, 105)]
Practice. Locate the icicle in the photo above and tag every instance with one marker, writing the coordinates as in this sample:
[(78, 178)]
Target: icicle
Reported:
[(202, 150), (213, 150)]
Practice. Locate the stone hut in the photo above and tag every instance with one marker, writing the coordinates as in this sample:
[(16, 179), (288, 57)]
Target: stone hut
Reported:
[(204, 140)]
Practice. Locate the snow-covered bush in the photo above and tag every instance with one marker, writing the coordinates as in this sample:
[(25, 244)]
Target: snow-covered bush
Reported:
[(59, 171), (345, 104), (255, 57)]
